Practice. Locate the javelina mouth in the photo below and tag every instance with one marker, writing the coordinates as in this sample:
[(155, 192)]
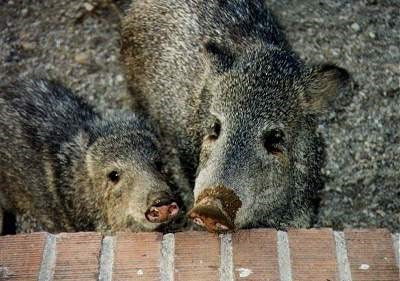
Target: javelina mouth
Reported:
[(216, 209)]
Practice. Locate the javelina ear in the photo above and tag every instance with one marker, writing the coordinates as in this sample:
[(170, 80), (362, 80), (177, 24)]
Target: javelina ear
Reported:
[(325, 81), (219, 57)]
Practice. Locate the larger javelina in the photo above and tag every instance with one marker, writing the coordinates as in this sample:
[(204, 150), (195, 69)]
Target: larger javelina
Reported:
[(221, 81), (64, 167)]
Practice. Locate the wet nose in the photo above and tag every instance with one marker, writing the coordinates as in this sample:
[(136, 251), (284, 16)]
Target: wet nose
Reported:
[(216, 209), (162, 210), (211, 216)]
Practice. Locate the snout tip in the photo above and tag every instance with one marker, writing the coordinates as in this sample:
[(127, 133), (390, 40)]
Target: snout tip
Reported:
[(211, 218), (211, 224), (216, 209), (158, 213)]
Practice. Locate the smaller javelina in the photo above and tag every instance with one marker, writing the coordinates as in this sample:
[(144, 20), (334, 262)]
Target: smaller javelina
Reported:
[(65, 167)]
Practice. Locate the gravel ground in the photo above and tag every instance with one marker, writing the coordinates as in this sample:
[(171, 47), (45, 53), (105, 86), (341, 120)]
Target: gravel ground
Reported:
[(77, 42)]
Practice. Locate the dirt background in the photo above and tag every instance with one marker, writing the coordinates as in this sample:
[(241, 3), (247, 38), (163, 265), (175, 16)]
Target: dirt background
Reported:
[(78, 43)]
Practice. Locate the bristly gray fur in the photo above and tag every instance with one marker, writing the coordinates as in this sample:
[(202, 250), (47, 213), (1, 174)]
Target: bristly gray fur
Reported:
[(56, 153), (192, 65)]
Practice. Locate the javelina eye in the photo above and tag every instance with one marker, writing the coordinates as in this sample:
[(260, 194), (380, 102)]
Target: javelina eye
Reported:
[(214, 130), (114, 176), (158, 165), (273, 141)]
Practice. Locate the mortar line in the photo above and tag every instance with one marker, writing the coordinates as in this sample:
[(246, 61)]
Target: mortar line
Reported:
[(226, 258), (47, 266), (285, 270), (342, 259), (167, 262), (396, 246), (106, 258)]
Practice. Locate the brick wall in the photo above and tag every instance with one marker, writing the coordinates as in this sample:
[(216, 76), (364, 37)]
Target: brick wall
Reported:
[(259, 254)]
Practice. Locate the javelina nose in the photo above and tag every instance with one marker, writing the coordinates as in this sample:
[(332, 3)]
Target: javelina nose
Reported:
[(162, 210), (216, 209)]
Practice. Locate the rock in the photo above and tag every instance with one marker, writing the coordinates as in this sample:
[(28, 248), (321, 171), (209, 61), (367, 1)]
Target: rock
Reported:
[(82, 58), (28, 46), (24, 12), (89, 7), (119, 78), (356, 27)]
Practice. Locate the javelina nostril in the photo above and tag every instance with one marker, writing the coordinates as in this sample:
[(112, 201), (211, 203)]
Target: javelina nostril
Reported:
[(161, 212)]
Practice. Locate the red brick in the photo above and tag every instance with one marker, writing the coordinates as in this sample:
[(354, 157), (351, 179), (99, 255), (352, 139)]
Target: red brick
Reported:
[(137, 256), (313, 254), (21, 256), (77, 256), (371, 255), (197, 256), (256, 250)]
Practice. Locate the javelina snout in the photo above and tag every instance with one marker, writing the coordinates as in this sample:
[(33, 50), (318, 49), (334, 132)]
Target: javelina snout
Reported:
[(216, 209), (163, 207)]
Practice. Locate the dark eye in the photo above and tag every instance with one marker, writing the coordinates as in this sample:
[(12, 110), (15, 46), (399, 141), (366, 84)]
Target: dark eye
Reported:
[(274, 141), (214, 130), (158, 165), (114, 176)]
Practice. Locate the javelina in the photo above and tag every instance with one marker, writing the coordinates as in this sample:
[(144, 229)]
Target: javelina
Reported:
[(225, 88), (66, 167)]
